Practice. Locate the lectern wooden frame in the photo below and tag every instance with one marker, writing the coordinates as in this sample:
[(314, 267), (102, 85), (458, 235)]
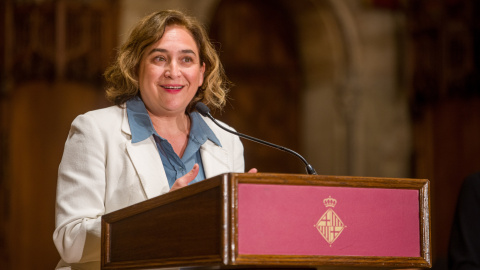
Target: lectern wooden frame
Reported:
[(256, 220)]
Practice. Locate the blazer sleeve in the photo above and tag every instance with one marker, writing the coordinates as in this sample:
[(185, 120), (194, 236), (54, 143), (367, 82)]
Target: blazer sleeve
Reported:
[(238, 159), (81, 193)]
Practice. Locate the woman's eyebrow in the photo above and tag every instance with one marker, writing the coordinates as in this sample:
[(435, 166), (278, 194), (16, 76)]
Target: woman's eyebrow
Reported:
[(166, 51), (157, 50)]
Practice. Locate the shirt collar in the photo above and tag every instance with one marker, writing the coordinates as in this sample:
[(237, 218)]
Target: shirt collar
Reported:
[(200, 131), (141, 125)]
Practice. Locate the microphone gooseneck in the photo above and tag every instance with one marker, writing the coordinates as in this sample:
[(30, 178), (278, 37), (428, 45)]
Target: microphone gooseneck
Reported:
[(205, 111)]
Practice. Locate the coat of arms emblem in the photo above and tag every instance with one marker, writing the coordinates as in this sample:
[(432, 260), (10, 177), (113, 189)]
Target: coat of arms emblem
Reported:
[(330, 225)]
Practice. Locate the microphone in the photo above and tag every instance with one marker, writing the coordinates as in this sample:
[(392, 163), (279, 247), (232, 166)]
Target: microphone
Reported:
[(205, 111)]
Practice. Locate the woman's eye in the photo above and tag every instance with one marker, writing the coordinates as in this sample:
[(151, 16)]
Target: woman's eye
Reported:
[(187, 60), (159, 58)]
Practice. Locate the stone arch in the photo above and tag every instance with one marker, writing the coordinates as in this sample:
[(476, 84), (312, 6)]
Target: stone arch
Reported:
[(355, 107)]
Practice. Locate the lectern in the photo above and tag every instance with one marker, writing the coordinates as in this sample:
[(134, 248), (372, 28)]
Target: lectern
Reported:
[(247, 221)]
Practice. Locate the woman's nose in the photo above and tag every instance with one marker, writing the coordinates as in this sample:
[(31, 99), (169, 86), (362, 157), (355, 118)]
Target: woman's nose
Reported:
[(172, 70)]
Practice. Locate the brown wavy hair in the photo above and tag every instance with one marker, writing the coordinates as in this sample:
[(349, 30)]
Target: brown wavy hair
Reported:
[(122, 76)]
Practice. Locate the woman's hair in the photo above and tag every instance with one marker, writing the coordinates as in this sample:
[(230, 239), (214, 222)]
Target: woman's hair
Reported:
[(122, 76)]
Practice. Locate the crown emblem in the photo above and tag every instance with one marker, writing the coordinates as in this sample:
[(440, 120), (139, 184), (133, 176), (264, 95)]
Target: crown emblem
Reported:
[(329, 202)]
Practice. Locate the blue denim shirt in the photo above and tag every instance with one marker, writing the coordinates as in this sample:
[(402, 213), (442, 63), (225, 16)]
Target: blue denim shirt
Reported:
[(175, 167)]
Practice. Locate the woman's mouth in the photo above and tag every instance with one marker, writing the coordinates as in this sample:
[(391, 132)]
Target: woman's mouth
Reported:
[(172, 88)]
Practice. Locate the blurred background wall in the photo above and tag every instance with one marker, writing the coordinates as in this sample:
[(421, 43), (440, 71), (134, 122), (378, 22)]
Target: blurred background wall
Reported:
[(386, 88)]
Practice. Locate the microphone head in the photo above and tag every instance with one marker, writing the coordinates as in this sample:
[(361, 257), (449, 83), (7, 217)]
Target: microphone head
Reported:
[(202, 108)]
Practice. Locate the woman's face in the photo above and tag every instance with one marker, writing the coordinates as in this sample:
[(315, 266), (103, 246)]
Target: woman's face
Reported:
[(170, 72)]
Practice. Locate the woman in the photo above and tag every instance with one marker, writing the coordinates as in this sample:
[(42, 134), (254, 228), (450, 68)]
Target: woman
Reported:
[(151, 142)]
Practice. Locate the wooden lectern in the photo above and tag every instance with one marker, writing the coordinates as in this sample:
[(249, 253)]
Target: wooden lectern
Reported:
[(246, 221)]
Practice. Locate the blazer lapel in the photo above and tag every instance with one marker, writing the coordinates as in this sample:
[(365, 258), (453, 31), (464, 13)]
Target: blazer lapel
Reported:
[(146, 160), (214, 158)]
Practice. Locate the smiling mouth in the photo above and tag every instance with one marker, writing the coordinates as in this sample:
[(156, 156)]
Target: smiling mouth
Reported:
[(172, 87)]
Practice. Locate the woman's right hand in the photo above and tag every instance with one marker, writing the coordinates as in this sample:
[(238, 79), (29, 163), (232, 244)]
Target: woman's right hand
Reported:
[(186, 179)]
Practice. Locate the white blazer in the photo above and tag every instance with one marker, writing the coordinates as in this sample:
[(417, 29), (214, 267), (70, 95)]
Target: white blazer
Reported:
[(102, 171)]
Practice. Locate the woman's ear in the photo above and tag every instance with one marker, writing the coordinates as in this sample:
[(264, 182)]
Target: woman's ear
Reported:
[(202, 74)]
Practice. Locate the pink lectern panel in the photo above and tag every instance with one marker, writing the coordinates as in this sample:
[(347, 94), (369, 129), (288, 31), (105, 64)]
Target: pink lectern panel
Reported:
[(331, 221)]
